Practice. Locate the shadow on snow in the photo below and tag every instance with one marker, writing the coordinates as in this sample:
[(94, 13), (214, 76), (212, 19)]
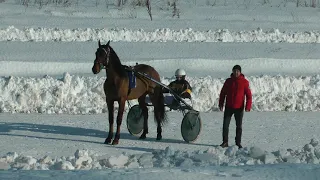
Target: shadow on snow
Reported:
[(7, 128)]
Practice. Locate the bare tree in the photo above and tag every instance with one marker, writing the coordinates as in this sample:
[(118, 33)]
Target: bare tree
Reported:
[(149, 8), (25, 3), (121, 2), (268, 2), (107, 4), (176, 11)]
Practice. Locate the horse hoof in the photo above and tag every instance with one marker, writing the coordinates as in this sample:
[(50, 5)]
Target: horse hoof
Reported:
[(107, 141), (115, 142), (159, 137), (143, 136)]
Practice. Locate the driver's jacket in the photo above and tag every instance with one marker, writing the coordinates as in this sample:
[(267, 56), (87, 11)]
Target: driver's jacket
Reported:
[(181, 87)]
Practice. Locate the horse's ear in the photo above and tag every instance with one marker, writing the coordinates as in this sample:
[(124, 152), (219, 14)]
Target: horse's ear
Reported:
[(108, 43), (99, 43)]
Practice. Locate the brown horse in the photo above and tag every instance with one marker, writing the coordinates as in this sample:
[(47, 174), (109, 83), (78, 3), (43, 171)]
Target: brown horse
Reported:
[(116, 88)]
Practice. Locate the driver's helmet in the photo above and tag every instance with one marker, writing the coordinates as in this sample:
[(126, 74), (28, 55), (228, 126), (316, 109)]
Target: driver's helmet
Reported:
[(180, 74)]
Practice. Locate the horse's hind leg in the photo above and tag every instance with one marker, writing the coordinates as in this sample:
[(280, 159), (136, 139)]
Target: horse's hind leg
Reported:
[(110, 111), (143, 106), (154, 99), (121, 102)]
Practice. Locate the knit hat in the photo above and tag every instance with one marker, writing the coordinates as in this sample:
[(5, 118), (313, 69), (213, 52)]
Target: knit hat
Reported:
[(238, 67)]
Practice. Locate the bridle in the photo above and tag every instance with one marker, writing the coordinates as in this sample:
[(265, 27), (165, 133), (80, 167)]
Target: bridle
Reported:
[(107, 58)]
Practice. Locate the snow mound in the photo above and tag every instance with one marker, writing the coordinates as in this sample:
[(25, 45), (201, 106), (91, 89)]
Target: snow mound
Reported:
[(84, 95), (158, 35), (214, 156)]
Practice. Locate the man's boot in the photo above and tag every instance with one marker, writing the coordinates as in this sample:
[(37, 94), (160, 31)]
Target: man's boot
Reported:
[(239, 145), (225, 142), (238, 137)]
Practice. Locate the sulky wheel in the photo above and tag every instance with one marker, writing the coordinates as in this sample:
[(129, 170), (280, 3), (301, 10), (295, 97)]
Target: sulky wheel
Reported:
[(191, 126), (135, 120)]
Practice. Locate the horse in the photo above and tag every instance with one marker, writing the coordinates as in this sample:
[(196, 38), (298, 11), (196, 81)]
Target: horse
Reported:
[(116, 88)]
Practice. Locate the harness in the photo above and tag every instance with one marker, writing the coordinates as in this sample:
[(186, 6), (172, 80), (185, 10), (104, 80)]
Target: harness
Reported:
[(143, 79), (130, 68), (127, 68)]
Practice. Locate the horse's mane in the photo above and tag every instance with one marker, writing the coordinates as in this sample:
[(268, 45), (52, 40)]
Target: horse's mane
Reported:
[(116, 64)]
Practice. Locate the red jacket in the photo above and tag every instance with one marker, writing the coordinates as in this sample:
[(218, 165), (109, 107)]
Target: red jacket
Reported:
[(236, 89)]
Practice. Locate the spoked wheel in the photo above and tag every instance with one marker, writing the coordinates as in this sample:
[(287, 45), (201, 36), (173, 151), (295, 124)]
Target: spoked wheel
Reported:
[(135, 120), (191, 126)]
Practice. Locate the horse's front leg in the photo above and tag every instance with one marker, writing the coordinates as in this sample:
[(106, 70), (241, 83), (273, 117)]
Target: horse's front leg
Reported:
[(121, 103), (110, 105)]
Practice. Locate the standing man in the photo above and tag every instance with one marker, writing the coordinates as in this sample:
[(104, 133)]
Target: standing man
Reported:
[(235, 89)]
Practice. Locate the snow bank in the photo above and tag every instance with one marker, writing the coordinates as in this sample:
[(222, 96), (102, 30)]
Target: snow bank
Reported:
[(84, 95), (215, 156), (158, 35)]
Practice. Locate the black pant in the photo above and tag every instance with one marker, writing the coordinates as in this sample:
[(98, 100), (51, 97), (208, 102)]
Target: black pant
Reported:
[(238, 115)]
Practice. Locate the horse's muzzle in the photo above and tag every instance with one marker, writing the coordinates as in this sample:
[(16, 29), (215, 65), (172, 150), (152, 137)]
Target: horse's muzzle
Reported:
[(95, 69)]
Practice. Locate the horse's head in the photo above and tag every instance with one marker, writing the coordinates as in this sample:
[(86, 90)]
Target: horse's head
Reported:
[(102, 57)]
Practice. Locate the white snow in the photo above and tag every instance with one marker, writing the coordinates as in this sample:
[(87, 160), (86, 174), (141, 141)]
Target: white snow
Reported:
[(157, 158), (159, 35), (215, 156), (52, 110), (84, 95), (75, 142)]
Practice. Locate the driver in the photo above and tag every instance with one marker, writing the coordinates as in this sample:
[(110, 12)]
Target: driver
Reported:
[(181, 86)]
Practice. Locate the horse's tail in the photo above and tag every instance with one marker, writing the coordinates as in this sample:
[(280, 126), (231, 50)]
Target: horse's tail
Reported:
[(159, 107)]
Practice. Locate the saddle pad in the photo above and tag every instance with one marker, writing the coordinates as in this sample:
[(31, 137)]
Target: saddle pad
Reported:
[(132, 79)]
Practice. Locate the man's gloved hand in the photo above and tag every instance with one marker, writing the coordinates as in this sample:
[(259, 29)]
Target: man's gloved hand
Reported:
[(185, 95)]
